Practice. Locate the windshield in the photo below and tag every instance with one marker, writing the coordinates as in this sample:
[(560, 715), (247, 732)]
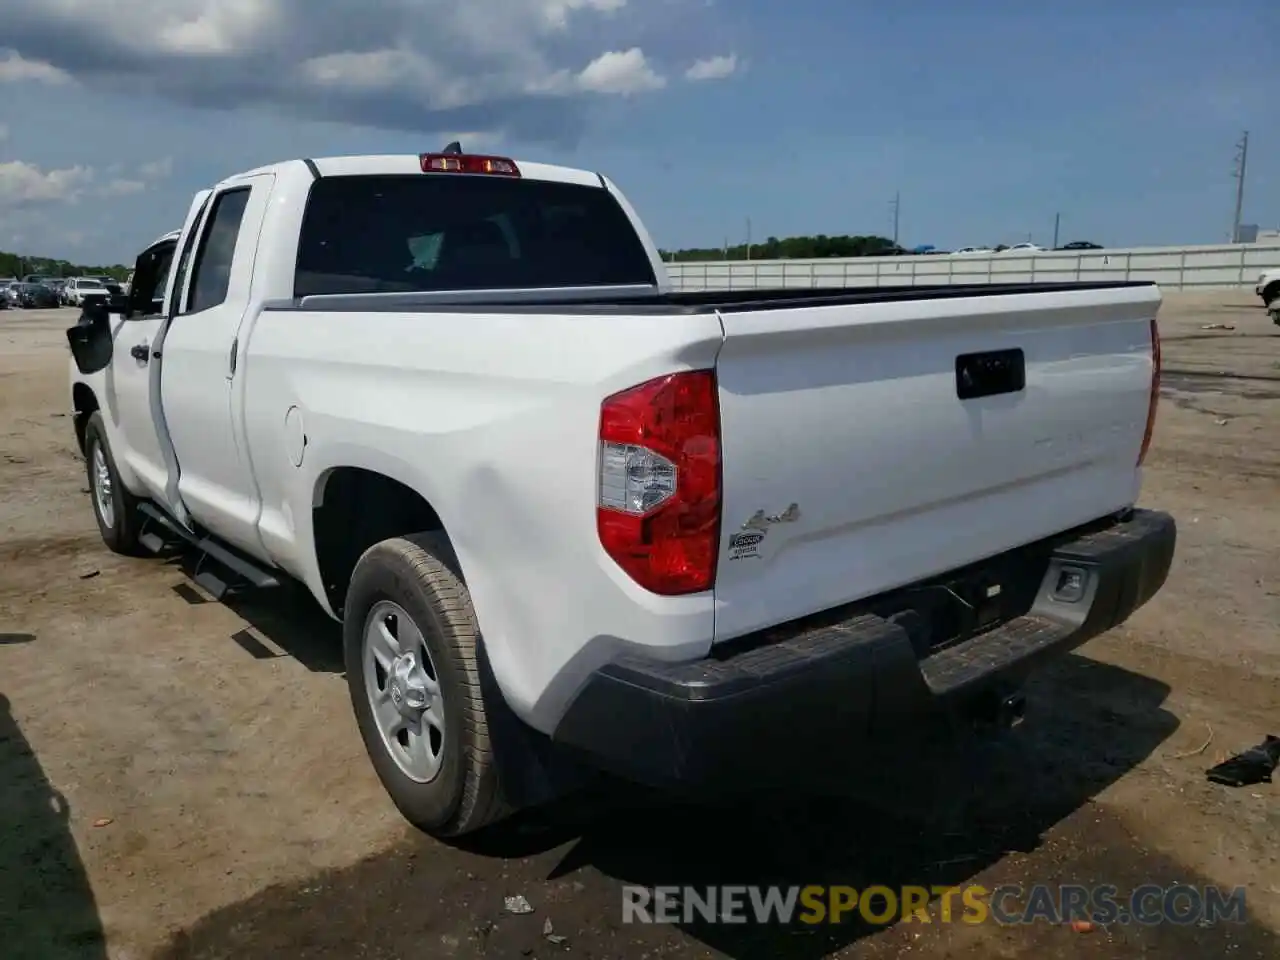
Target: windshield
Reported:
[(403, 233), (89, 284)]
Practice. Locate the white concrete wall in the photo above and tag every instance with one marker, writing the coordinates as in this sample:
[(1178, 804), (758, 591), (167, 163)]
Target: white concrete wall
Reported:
[(1225, 266)]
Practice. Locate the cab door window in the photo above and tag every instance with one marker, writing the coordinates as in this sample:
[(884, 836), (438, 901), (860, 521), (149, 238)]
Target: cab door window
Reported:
[(211, 268)]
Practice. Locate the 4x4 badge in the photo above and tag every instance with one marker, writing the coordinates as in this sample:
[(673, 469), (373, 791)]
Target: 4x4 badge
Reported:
[(759, 521)]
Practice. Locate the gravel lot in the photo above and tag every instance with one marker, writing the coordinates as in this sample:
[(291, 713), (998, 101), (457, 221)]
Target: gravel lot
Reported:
[(169, 789)]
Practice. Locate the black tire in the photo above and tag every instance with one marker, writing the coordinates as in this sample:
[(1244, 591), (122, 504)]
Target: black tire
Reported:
[(121, 533), (1270, 294), (419, 572)]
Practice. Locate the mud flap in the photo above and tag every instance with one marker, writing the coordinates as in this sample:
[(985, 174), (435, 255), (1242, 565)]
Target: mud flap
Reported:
[(90, 339)]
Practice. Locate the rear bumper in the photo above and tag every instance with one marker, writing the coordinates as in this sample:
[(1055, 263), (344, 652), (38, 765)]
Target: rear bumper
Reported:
[(864, 673)]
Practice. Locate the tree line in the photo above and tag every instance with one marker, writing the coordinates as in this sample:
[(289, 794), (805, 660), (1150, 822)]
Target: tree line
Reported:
[(772, 248), (792, 248), (16, 265)]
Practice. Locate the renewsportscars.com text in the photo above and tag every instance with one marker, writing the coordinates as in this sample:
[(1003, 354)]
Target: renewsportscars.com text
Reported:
[(1150, 904)]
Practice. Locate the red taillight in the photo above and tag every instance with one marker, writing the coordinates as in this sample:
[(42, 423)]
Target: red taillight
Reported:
[(468, 163), (1154, 400), (658, 505)]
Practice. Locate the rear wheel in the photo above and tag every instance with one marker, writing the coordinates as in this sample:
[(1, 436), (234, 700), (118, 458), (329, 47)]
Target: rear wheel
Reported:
[(412, 645), (114, 507)]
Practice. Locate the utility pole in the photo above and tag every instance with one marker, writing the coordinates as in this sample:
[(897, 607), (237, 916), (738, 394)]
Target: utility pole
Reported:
[(1242, 158), (896, 204), (1057, 218), (748, 238)]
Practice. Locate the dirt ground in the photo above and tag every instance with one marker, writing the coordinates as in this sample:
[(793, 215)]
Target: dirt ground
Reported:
[(183, 779)]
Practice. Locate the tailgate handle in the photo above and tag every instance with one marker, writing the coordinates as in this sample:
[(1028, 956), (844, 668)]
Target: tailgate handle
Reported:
[(990, 374)]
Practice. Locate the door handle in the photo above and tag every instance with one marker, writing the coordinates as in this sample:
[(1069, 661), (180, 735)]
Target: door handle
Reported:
[(140, 351)]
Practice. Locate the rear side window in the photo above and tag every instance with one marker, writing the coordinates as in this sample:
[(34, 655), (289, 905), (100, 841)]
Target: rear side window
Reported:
[(211, 274), (405, 233)]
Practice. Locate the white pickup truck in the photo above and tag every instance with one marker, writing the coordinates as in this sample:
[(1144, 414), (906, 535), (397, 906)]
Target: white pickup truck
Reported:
[(572, 521)]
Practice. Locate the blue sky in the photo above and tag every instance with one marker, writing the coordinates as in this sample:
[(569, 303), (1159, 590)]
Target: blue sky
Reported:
[(805, 117)]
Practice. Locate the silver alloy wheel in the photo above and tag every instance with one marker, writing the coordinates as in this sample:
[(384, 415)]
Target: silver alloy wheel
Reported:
[(403, 688), (102, 487)]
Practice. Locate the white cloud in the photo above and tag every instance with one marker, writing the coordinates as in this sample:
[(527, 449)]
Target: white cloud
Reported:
[(14, 68), (156, 169), (25, 184), (622, 72), (513, 66), (556, 12), (713, 68), (122, 188)]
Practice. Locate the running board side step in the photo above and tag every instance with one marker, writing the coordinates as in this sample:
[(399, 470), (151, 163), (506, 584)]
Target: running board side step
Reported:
[(208, 548)]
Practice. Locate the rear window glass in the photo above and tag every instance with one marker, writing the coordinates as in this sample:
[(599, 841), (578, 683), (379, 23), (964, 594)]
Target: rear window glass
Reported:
[(405, 233)]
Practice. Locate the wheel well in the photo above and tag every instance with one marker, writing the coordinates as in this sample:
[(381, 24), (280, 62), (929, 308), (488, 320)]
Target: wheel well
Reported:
[(84, 402), (355, 509)]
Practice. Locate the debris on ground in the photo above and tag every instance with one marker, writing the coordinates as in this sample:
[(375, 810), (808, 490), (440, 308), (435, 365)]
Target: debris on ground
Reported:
[(103, 822), (518, 904), (549, 932), (1200, 749), (1218, 326), (1254, 765), (90, 575)]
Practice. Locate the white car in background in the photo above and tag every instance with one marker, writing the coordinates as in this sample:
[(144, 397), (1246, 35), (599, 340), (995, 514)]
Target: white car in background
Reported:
[(1268, 287), (74, 292), (966, 251), (1023, 248)]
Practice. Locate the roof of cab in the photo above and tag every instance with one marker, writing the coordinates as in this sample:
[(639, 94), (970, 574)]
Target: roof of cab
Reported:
[(402, 163)]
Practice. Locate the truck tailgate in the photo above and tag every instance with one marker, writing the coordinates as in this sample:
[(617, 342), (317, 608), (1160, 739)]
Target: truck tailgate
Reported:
[(852, 465)]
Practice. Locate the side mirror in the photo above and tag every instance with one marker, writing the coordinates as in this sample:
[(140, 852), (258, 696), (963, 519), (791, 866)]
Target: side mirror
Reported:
[(90, 339)]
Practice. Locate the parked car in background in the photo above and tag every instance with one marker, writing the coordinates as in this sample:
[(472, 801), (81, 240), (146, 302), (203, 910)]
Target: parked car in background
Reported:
[(77, 287), (1268, 287), (1023, 248), (1080, 245), (963, 251), (34, 296), (113, 286)]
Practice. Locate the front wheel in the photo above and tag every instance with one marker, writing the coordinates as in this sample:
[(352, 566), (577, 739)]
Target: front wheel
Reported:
[(114, 507), (411, 649)]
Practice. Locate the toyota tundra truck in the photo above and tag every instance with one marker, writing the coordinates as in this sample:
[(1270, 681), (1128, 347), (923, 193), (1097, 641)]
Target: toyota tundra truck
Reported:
[(572, 520)]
